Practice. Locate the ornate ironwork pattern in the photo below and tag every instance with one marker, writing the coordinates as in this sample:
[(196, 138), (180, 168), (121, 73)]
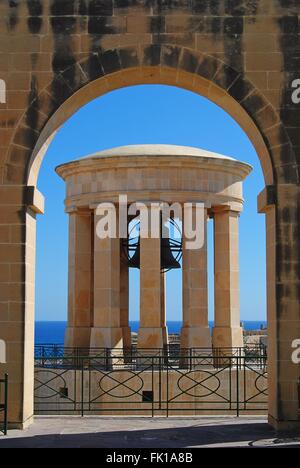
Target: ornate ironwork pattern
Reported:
[(160, 381), (52, 388)]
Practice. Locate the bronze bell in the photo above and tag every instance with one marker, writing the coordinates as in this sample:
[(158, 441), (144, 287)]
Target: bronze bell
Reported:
[(134, 261), (167, 259)]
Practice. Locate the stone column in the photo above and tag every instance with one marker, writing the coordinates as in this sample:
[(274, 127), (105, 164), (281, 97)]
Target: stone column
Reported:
[(17, 295), (124, 305), (163, 311), (80, 280), (150, 333), (106, 331), (227, 331), (195, 332)]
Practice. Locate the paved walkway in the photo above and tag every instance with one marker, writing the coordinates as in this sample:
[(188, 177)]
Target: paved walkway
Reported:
[(139, 432)]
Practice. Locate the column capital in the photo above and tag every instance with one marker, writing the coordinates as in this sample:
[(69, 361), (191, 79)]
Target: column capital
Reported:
[(70, 209), (205, 203), (235, 207), (191, 211), (110, 204)]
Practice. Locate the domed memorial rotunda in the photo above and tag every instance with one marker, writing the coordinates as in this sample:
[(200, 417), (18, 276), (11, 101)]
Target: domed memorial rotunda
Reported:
[(107, 192)]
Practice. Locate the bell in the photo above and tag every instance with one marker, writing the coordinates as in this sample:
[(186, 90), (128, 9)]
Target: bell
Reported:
[(134, 261), (167, 260)]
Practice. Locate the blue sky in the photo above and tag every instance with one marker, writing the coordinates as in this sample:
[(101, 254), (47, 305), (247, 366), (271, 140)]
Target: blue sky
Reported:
[(136, 115)]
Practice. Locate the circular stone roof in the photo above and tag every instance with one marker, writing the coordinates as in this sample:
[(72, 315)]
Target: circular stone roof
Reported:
[(155, 150), (140, 153)]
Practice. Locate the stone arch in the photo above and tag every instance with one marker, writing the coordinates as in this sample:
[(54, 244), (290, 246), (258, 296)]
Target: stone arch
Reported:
[(160, 64), (169, 64)]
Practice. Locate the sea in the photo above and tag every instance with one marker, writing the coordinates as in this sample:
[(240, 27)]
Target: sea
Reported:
[(53, 332)]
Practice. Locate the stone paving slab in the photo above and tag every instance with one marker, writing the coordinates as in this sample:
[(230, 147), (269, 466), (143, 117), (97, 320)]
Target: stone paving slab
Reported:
[(137, 432)]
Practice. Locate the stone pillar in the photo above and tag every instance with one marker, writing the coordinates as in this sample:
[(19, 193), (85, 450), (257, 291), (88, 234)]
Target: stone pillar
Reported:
[(124, 305), (163, 311), (17, 295), (283, 312), (106, 331), (273, 337), (227, 331), (150, 333), (195, 332), (80, 280)]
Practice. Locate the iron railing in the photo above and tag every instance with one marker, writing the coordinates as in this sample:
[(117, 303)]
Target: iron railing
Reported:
[(153, 382), (51, 354), (4, 403)]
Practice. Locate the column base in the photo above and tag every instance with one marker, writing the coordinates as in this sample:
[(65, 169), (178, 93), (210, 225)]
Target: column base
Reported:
[(284, 426), (77, 337), (195, 337), (106, 337), (21, 425), (227, 337), (152, 338)]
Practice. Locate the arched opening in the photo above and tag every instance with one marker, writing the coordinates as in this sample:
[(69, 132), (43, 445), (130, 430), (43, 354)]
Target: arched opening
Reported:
[(199, 128), (184, 118)]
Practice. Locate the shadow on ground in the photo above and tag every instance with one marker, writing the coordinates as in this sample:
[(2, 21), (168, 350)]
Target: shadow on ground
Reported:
[(196, 435)]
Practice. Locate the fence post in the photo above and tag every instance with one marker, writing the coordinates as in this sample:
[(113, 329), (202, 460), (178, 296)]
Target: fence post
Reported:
[(152, 384), (237, 390), (5, 404), (107, 359), (161, 364), (167, 399), (82, 387), (77, 357)]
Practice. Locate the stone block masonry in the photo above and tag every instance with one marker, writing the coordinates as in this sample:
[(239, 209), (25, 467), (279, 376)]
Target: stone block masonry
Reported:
[(57, 55)]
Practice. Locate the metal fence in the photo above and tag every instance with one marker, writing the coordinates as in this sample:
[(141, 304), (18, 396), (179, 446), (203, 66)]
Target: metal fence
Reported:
[(152, 382), (172, 351), (4, 403)]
